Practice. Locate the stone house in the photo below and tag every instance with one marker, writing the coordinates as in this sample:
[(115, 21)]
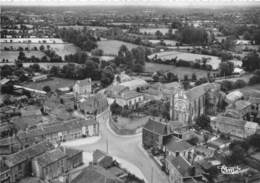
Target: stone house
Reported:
[(20, 163), (50, 164), (181, 171), (82, 88), (154, 134)]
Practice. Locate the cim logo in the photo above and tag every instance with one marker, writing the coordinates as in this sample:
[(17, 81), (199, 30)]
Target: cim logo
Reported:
[(232, 170)]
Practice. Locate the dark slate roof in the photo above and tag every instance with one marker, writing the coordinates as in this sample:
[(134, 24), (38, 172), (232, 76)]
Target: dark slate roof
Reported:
[(99, 154), (70, 152), (156, 127), (50, 157), (229, 121), (178, 146), (61, 127), (96, 174), (200, 90), (28, 153), (180, 164)]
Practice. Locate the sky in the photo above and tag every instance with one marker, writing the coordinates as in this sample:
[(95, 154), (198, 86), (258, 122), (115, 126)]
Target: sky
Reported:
[(207, 3)]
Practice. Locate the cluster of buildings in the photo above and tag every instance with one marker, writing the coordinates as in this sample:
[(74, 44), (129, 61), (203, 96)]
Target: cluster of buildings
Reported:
[(42, 160), (187, 154), (31, 136)]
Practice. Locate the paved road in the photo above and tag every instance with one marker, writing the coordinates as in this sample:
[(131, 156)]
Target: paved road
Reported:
[(128, 148)]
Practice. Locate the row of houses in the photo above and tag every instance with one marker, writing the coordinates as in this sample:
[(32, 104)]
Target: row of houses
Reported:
[(41, 160)]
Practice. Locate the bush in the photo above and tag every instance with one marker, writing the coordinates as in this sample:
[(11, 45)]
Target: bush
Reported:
[(254, 80), (239, 84)]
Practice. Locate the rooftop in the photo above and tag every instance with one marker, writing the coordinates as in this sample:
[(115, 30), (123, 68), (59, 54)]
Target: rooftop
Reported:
[(156, 127), (28, 153), (178, 146), (65, 126), (96, 174), (130, 94), (200, 90), (70, 152), (180, 164), (241, 104), (50, 157), (229, 121)]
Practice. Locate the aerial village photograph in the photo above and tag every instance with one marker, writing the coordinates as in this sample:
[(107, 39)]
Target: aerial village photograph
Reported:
[(130, 91)]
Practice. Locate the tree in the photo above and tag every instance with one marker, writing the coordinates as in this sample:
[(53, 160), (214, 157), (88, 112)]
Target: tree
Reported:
[(251, 62), (21, 56), (115, 108), (246, 35), (193, 141), (194, 77), (35, 67), (226, 68), (97, 52), (6, 70), (158, 34), (239, 84), (203, 121), (228, 43), (226, 85), (42, 48), (54, 70), (46, 88), (7, 88)]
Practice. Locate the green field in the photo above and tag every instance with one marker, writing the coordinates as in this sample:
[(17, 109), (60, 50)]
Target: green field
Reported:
[(13, 55), (191, 57), (53, 82), (61, 49), (180, 71), (111, 47)]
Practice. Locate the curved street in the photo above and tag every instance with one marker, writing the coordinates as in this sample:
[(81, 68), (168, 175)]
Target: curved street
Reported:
[(128, 148)]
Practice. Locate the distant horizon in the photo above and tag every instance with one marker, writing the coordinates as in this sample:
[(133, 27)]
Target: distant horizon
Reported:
[(144, 3)]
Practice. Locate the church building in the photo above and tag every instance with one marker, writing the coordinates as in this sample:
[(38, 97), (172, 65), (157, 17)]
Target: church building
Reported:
[(186, 106)]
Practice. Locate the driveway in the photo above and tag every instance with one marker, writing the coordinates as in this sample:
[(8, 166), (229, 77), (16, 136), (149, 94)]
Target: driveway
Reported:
[(128, 148)]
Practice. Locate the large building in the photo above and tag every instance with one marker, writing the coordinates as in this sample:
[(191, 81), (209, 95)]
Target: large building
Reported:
[(154, 134), (82, 88), (235, 127), (68, 130), (19, 163), (50, 164), (181, 171), (186, 106)]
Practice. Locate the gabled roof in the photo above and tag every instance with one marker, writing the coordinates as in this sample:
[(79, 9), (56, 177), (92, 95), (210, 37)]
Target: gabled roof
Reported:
[(178, 146), (96, 174), (241, 104), (156, 127), (229, 121), (28, 153), (200, 90), (70, 152), (50, 157), (130, 94), (180, 164)]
